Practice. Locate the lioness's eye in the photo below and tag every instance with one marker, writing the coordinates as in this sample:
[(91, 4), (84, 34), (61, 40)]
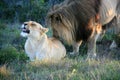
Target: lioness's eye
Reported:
[(33, 24)]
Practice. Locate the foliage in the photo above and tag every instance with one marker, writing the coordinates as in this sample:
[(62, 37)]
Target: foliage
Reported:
[(2, 25), (11, 54), (117, 39), (11, 44), (110, 37), (23, 10)]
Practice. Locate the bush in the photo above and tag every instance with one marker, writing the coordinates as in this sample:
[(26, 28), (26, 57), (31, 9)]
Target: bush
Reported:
[(2, 25), (23, 10), (11, 54), (34, 10), (117, 39), (111, 37)]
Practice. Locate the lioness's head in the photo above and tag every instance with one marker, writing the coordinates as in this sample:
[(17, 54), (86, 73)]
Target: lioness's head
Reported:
[(32, 29)]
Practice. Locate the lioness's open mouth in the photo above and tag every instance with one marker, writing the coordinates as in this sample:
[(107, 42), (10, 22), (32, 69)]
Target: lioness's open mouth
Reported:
[(26, 30)]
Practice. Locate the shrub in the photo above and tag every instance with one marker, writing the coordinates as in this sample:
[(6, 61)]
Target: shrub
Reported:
[(117, 39), (2, 25), (10, 54), (22, 57)]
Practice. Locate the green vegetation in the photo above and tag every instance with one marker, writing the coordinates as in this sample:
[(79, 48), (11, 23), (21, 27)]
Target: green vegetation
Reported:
[(11, 46), (23, 10), (10, 54), (15, 65), (67, 69), (20, 11)]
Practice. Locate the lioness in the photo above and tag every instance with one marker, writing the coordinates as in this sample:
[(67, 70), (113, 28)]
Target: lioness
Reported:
[(38, 46)]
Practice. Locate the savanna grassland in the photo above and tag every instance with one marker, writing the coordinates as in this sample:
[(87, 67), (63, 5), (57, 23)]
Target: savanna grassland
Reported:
[(15, 65)]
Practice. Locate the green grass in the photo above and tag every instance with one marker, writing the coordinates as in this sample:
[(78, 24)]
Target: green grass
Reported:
[(14, 64), (67, 69)]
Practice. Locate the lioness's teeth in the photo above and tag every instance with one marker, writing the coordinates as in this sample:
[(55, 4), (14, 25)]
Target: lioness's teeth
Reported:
[(23, 29)]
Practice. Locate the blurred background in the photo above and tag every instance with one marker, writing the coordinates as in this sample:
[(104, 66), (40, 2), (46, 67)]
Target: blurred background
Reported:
[(23, 10)]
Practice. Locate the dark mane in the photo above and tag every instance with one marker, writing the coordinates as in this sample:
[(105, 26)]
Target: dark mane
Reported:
[(75, 16)]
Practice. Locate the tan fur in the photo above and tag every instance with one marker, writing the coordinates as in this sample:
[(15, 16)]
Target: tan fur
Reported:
[(39, 47)]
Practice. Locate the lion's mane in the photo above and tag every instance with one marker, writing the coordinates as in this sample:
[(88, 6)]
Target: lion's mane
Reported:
[(73, 20)]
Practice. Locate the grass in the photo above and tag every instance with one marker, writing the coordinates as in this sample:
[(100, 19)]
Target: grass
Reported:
[(67, 69), (14, 64)]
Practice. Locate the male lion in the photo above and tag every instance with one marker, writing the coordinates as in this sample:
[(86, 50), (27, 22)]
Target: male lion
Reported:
[(75, 21), (38, 46)]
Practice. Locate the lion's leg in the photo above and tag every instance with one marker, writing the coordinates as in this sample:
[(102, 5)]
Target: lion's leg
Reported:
[(76, 46), (92, 47), (101, 36), (102, 33)]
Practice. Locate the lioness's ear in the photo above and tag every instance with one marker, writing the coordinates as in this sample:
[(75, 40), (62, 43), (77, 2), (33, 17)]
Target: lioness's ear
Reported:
[(44, 30)]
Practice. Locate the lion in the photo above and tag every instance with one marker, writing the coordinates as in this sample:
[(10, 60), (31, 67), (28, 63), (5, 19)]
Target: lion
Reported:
[(38, 46), (76, 21)]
